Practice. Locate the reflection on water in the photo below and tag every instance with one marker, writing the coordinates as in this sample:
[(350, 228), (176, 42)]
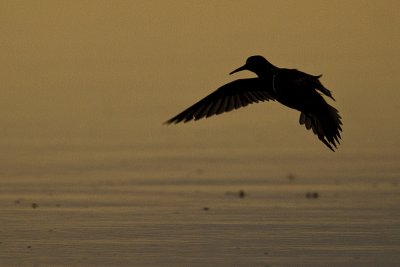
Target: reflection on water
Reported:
[(118, 202)]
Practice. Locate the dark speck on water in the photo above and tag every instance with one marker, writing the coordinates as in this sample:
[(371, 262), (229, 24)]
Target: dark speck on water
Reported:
[(240, 193), (291, 176), (312, 195), (35, 205)]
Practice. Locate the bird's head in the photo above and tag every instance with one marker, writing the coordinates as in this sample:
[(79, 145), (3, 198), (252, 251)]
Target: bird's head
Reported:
[(256, 64)]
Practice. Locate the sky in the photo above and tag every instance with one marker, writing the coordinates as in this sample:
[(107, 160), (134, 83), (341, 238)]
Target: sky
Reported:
[(121, 68)]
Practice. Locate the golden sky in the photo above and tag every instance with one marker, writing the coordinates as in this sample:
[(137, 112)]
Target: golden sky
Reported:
[(78, 66)]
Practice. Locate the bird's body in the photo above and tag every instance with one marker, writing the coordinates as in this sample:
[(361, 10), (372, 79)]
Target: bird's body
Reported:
[(290, 87)]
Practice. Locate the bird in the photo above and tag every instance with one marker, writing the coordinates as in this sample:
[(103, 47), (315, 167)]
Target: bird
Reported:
[(290, 87)]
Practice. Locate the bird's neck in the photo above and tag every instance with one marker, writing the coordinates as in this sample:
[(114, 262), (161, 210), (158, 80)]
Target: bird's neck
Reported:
[(265, 72)]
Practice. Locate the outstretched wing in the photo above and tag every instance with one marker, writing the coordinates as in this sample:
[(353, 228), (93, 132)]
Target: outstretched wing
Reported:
[(325, 123), (233, 95)]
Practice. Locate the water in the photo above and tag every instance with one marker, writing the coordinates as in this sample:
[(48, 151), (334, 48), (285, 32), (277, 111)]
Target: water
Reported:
[(121, 202)]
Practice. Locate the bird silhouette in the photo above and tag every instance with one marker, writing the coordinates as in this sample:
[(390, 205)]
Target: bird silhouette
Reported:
[(290, 87)]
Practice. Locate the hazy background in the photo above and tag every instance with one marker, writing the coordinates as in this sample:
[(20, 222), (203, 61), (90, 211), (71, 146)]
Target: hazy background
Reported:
[(113, 71), (110, 72)]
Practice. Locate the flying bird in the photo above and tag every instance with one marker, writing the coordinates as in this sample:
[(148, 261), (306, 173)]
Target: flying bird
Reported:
[(290, 87)]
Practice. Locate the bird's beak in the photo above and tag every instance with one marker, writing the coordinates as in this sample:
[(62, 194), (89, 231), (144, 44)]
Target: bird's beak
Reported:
[(244, 67)]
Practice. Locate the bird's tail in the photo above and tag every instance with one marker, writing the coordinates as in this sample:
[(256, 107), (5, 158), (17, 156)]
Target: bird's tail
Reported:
[(326, 123)]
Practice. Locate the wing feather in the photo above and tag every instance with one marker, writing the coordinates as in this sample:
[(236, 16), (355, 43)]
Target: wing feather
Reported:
[(233, 95), (231, 103)]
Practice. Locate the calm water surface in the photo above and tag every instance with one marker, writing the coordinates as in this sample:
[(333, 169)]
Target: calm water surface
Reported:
[(103, 202)]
